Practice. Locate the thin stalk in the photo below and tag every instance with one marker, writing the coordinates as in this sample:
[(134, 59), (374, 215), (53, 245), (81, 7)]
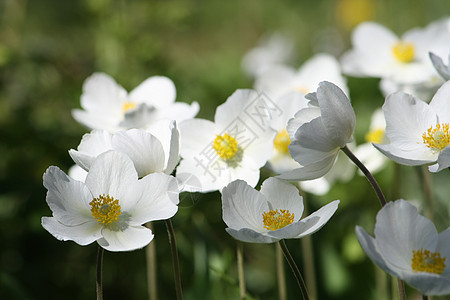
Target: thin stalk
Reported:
[(175, 260), (298, 276), (424, 297), (98, 282), (240, 266), (428, 192), (150, 254), (280, 273), (367, 173), (401, 289)]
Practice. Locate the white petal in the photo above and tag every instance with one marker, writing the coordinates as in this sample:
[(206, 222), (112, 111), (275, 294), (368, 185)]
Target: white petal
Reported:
[(428, 283), (282, 195), (91, 145), (440, 103), (443, 161), (302, 116), (67, 198), (337, 113), (94, 120), (294, 230), (312, 135), (143, 148), (250, 236), (233, 107), (323, 214), (410, 156), (82, 234), (196, 137), (311, 171), (399, 230), (275, 81), (178, 111), (157, 199), (243, 206), (157, 91), (132, 238), (174, 152)]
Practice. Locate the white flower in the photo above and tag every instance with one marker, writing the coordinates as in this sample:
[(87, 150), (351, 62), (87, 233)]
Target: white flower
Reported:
[(318, 133), (280, 80), (106, 105), (419, 133), (235, 146), (366, 152), (149, 153), (270, 215), (111, 206), (407, 246), (402, 63), (441, 68), (272, 50)]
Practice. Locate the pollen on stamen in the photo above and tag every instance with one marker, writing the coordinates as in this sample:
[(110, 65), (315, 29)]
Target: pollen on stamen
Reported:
[(426, 261), (277, 219), (437, 138), (226, 146), (282, 141), (375, 136), (105, 209), (128, 105), (403, 51)]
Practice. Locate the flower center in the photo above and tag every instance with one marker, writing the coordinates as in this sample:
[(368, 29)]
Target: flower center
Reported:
[(226, 146), (303, 89), (276, 219), (426, 261), (375, 136), (437, 138), (282, 141), (105, 209), (403, 51), (128, 105)]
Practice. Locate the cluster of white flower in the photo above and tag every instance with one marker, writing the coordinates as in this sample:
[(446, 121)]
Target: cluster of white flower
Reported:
[(295, 123)]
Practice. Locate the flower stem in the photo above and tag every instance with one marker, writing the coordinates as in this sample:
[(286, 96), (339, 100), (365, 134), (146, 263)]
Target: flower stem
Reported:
[(424, 297), (428, 192), (240, 265), (401, 289), (295, 269), (176, 262), (367, 173), (150, 253), (98, 283), (280, 273)]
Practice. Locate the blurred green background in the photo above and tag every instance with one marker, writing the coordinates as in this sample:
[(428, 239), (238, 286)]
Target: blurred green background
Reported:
[(48, 48)]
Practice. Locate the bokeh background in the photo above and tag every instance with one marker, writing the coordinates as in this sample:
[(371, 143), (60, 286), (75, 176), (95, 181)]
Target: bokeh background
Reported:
[(48, 48)]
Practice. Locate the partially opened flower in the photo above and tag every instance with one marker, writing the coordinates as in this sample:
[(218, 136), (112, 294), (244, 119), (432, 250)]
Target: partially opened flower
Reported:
[(273, 214), (418, 132), (319, 132), (111, 206), (149, 153), (106, 105), (235, 146), (407, 246)]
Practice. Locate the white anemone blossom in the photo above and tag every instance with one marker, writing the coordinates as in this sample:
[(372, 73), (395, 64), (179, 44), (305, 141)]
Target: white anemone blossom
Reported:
[(269, 215), (157, 152), (402, 62), (111, 206), (235, 146), (107, 105), (319, 132), (419, 133), (407, 246)]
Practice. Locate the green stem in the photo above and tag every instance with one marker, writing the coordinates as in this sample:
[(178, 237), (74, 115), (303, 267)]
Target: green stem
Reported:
[(424, 297), (280, 273), (298, 276), (176, 262), (401, 289), (367, 173), (150, 253), (98, 283), (240, 265), (428, 192)]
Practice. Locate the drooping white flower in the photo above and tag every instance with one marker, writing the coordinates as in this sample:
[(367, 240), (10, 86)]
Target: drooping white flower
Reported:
[(106, 105), (280, 80), (366, 152), (111, 206), (407, 246), (419, 133), (402, 62), (269, 215), (319, 132), (148, 152), (235, 146)]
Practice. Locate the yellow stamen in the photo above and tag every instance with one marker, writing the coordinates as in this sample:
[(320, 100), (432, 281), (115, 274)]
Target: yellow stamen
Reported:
[(105, 209), (403, 51), (128, 105), (276, 219), (438, 138), (303, 90), (426, 261), (375, 136), (282, 141), (226, 146)]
